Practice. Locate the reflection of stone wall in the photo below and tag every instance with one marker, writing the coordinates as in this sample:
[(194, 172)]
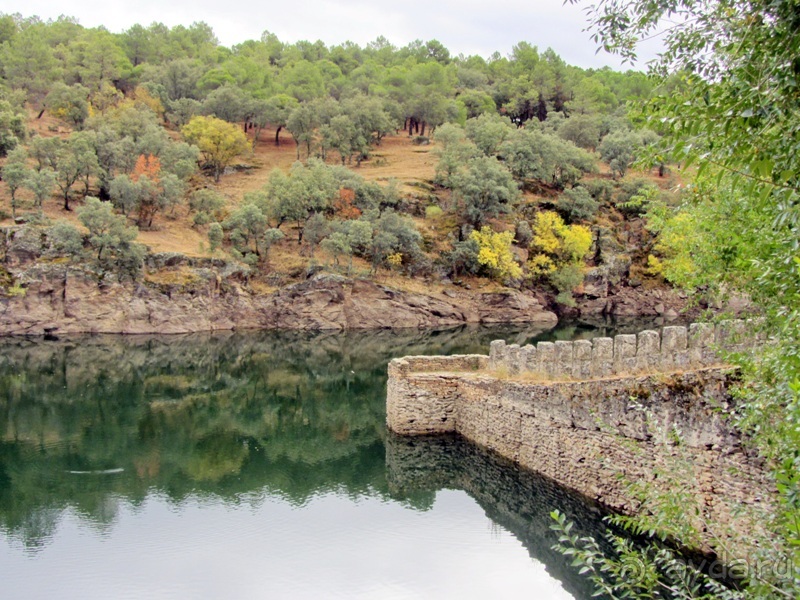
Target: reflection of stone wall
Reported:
[(515, 498), (675, 347), (596, 435)]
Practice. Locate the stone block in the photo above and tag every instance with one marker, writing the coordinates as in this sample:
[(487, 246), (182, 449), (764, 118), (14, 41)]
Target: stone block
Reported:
[(496, 351), (674, 340), (648, 351), (512, 359), (723, 333), (547, 358), (582, 356), (625, 353), (564, 359), (701, 344), (602, 356), (701, 335), (527, 359)]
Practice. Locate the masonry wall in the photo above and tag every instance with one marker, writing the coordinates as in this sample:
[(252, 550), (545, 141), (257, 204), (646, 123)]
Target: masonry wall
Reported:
[(663, 424)]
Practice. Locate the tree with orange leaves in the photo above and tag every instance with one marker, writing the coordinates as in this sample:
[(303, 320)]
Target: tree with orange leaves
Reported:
[(343, 205)]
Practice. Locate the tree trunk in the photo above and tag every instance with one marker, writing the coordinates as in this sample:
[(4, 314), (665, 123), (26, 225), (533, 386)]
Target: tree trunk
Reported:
[(424, 124), (277, 135), (66, 201)]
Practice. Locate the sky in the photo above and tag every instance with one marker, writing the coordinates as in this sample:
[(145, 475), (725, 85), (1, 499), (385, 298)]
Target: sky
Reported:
[(463, 26)]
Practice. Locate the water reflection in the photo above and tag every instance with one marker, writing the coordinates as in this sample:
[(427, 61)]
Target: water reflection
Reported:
[(97, 426)]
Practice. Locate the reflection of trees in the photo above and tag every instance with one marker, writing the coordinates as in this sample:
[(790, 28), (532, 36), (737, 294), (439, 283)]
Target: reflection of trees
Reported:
[(286, 413)]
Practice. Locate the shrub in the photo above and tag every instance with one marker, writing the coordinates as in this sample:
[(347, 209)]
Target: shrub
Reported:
[(433, 212), (577, 204)]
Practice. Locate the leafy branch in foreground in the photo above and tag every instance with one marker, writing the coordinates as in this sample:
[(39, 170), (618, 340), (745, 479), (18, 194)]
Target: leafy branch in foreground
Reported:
[(630, 570), (729, 108)]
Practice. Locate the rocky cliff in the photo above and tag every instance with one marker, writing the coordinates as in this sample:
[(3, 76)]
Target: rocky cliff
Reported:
[(72, 299)]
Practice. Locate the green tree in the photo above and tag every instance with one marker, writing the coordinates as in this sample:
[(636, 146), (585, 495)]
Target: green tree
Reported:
[(110, 236), (582, 130), (488, 132), (69, 103), (215, 236), (247, 226), (619, 149), (338, 245), (454, 152), (12, 127), (15, 171), (277, 111), (218, 141), (302, 123), (29, 63), (228, 103), (180, 111), (316, 230), (207, 205), (41, 183), (577, 204), (65, 239), (484, 190)]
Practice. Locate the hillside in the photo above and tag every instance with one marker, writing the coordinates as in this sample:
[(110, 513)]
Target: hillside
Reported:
[(255, 169)]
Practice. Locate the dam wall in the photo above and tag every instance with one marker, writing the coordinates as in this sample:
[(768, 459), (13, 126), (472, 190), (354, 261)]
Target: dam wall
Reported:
[(619, 420)]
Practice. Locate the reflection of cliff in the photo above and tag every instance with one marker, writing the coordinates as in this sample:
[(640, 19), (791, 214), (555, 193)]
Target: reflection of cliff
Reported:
[(519, 500)]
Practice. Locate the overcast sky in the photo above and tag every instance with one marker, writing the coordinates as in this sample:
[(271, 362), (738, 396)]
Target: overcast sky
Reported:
[(463, 26)]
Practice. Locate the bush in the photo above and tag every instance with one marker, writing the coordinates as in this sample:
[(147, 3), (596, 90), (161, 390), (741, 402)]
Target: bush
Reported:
[(577, 204), (601, 190), (65, 239), (635, 196), (433, 212), (524, 234)]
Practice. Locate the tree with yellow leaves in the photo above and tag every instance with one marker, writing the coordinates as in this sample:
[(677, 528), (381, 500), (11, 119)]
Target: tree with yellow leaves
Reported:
[(557, 252), (219, 141), (494, 253)]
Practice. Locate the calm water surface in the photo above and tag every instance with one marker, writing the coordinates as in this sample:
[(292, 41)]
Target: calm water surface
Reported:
[(257, 465)]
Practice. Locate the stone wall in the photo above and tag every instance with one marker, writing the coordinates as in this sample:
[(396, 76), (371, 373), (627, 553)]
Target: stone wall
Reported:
[(583, 423), (675, 347)]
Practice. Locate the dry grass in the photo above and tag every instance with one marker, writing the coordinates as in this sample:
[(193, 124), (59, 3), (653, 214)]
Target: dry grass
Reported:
[(396, 158), (181, 276)]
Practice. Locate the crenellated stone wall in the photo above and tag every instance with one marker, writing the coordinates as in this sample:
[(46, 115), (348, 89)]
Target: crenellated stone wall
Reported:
[(598, 415), (675, 347)]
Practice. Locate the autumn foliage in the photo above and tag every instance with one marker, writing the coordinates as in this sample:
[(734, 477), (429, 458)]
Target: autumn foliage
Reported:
[(343, 205), (148, 165)]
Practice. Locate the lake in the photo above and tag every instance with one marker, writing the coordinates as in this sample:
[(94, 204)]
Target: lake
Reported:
[(258, 465)]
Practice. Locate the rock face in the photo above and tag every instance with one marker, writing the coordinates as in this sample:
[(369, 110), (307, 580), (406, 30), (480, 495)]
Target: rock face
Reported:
[(70, 299)]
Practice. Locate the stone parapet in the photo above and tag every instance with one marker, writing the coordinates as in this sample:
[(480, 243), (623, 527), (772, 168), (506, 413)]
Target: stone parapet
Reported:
[(673, 348)]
